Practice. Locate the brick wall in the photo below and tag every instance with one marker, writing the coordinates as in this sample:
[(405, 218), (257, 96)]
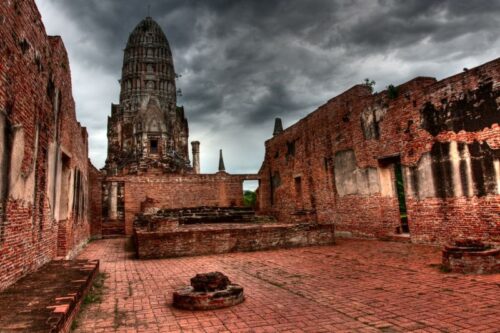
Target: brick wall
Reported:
[(95, 204), (37, 129), (178, 191), (201, 240), (338, 164)]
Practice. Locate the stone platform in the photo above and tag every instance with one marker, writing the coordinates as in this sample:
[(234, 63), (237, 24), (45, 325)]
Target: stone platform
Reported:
[(48, 299), (166, 218), (192, 240)]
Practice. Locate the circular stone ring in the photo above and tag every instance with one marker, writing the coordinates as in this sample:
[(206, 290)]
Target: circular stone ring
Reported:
[(189, 299)]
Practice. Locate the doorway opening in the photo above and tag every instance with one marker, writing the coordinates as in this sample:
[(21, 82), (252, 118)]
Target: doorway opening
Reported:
[(153, 146), (392, 166), (400, 191)]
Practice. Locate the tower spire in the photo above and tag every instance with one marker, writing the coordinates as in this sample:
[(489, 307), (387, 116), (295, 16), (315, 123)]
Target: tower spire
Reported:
[(278, 126), (221, 162)]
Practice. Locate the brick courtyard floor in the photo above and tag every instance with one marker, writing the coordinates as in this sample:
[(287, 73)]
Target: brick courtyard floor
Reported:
[(355, 286)]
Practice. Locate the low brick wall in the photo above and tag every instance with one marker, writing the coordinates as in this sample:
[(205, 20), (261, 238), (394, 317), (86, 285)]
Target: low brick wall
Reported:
[(49, 299), (195, 240), (475, 262)]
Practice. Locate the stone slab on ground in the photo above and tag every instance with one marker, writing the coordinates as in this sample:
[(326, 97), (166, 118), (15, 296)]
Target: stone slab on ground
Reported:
[(48, 299), (354, 286)]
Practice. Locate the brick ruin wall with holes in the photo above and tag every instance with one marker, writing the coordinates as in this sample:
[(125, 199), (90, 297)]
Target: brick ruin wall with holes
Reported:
[(44, 169), (134, 193), (337, 165)]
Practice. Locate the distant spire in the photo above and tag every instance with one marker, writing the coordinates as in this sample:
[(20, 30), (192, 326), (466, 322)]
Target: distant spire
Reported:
[(278, 126), (149, 10), (221, 162)]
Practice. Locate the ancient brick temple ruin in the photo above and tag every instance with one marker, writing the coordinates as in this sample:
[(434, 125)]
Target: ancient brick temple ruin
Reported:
[(147, 129), (148, 165), (419, 161)]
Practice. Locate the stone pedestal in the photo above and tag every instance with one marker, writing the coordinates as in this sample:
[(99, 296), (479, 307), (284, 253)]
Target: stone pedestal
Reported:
[(469, 256), (207, 292)]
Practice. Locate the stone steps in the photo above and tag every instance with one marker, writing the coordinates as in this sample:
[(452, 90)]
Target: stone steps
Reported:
[(113, 229)]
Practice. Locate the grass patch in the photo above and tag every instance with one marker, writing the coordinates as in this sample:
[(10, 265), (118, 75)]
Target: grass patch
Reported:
[(130, 291), (440, 267), (118, 316), (94, 295), (444, 269), (74, 325)]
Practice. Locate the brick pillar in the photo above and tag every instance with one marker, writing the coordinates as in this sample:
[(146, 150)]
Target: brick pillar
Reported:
[(113, 199)]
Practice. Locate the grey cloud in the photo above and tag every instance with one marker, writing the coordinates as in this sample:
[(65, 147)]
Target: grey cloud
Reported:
[(245, 62)]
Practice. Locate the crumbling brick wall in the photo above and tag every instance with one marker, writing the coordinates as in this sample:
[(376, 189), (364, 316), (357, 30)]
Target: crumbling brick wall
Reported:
[(337, 165), (172, 191), (39, 137), (95, 205)]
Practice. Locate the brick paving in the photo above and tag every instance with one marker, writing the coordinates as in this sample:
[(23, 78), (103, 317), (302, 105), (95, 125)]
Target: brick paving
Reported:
[(354, 286)]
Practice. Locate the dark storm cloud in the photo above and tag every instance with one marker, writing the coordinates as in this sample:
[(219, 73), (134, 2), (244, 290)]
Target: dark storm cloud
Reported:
[(245, 62)]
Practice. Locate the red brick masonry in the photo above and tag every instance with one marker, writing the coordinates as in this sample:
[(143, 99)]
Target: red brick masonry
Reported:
[(338, 164), (192, 240), (44, 192), (49, 299)]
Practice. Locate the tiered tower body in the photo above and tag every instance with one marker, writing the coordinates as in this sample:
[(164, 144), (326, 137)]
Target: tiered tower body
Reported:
[(147, 130)]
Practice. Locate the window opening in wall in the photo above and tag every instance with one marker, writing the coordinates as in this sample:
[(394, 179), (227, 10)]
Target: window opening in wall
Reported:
[(290, 148), (64, 188), (249, 192), (326, 163), (77, 195), (275, 183), (298, 192), (153, 146)]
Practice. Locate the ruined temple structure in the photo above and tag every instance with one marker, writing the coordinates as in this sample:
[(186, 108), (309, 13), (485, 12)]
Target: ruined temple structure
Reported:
[(147, 129), (148, 160), (46, 178), (419, 162)]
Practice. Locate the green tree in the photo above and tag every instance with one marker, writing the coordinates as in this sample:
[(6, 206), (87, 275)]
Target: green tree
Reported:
[(249, 198)]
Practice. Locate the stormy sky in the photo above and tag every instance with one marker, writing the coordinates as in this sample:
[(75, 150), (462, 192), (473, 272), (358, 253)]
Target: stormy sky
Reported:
[(245, 62)]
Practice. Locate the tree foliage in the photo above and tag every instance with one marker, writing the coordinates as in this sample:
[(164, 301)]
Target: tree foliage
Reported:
[(249, 198)]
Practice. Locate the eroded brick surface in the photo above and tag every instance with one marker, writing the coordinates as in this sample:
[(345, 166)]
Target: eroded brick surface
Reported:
[(339, 163), (355, 286), (43, 148), (200, 239), (49, 299)]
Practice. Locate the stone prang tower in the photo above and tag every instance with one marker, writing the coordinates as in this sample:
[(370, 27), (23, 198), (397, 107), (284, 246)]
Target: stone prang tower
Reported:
[(147, 130)]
